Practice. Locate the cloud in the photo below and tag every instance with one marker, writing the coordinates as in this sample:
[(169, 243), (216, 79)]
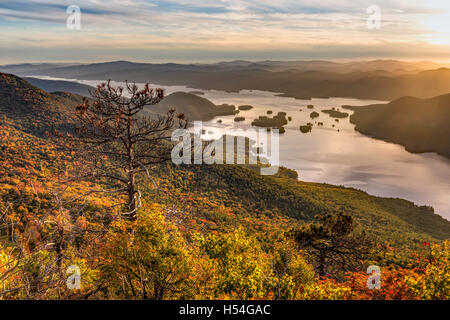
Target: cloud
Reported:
[(231, 25), (37, 7)]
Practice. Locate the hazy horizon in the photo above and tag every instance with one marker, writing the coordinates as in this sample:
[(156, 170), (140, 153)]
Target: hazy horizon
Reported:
[(445, 63)]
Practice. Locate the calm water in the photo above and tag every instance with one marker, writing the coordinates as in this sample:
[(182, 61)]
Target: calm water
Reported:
[(343, 157)]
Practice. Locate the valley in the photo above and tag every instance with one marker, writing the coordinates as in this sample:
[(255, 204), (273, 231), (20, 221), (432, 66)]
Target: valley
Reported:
[(343, 157)]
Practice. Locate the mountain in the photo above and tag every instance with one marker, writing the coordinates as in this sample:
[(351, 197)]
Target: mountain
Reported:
[(379, 79), (33, 68), (421, 125), (61, 86), (225, 194), (378, 85), (192, 106), (32, 109)]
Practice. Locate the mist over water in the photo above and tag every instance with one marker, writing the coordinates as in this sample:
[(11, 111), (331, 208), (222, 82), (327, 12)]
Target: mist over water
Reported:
[(343, 157)]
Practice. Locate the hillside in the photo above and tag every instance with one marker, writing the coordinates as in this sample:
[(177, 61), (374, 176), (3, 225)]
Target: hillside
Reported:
[(61, 86), (222, 198), (421, 125), (31, 109), (203, 227), (249, 194), (227, 205), (383, 80)]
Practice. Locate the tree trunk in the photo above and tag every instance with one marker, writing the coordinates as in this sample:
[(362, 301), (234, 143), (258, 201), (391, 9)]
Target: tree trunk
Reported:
[(322, 265), (132, 205)]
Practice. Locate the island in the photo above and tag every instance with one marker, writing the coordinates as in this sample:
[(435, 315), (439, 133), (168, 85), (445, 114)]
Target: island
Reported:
[(306, 128), (245, 107), (198, 93), (336, 113), (278, 120), (314, 115)]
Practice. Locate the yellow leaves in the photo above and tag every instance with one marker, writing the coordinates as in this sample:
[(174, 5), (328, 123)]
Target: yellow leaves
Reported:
[(434, 282), (326, 290), (240, 264), (7, 264), (7, 260), (149, 249)]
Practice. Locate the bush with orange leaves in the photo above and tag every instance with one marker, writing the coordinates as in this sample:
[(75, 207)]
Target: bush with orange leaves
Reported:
[(393, 285), (430, 280)]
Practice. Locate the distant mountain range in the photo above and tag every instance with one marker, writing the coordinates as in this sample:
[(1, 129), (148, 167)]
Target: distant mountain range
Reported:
[(269, 65), (421, 125), (379, 79)]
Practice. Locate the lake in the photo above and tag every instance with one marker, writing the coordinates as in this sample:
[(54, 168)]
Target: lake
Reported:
[(343, 157)]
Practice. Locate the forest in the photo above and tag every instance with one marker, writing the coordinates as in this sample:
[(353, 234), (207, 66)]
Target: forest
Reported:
[(91, 207)]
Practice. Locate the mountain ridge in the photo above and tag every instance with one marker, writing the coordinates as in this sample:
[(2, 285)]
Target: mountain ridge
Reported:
[(32, 109), (51, 86), (420, 125), (304, 80)]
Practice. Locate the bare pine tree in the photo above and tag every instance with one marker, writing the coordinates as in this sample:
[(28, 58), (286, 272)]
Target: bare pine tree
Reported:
[(116, 139)]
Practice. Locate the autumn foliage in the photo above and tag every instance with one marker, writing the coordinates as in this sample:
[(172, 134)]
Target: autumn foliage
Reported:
[(189, 239)]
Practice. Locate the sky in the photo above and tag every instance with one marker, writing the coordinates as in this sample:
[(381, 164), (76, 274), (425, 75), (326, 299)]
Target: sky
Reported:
[(219, 30)]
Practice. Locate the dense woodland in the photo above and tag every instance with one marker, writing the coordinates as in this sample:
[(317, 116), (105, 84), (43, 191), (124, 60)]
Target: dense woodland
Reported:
[(154, 230)]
